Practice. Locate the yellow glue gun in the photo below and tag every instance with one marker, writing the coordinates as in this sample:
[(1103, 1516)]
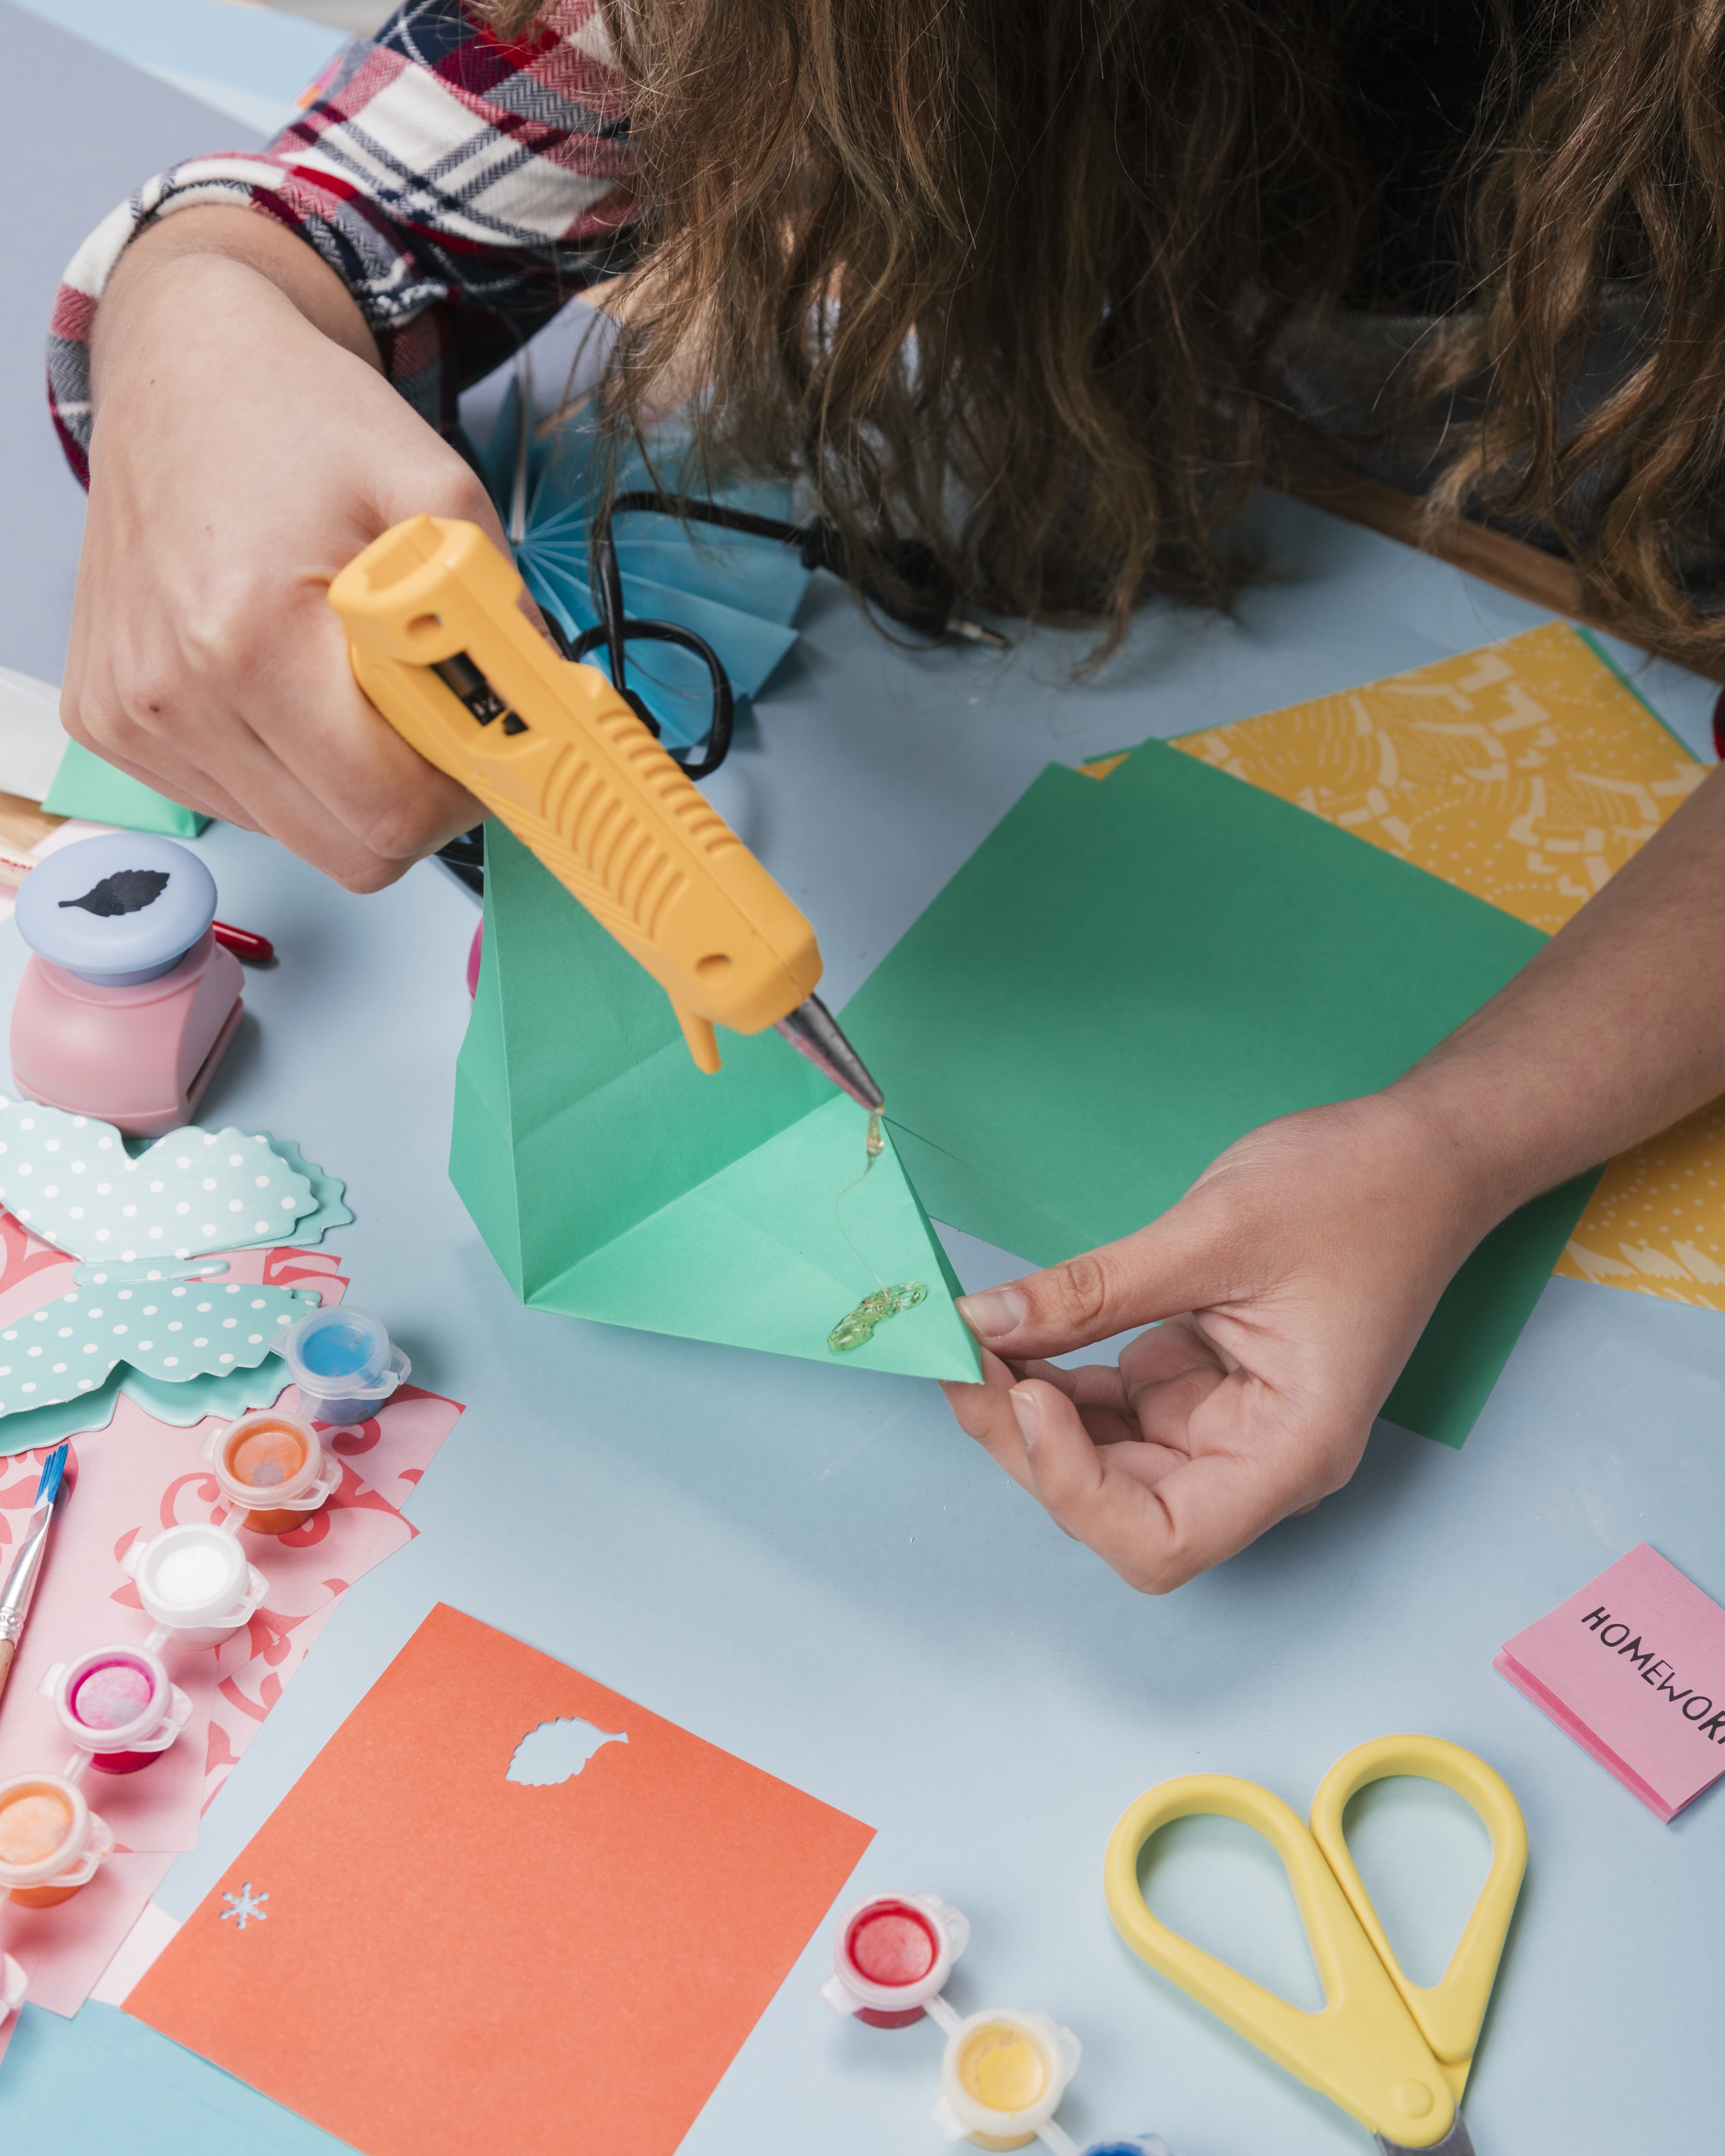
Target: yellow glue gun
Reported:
[(440, 646)]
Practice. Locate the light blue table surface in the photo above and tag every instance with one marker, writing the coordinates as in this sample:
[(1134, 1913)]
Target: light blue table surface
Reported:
[(814, 1567)]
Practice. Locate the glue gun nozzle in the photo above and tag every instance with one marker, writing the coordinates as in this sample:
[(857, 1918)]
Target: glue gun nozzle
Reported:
[(812, 1031)]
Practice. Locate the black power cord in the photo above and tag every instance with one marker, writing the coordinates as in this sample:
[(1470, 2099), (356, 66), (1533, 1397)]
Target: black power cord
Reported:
[(925, 604), (465, 858)]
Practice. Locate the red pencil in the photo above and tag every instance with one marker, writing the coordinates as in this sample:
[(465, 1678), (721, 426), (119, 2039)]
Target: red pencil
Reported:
[(257, 950)]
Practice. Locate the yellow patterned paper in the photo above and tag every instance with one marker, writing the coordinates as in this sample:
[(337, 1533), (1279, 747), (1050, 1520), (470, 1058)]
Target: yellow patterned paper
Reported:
[(1528, 773), (1656, 1223)]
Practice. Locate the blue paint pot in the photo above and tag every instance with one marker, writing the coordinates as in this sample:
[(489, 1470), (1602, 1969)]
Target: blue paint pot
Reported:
[(343, 1362)]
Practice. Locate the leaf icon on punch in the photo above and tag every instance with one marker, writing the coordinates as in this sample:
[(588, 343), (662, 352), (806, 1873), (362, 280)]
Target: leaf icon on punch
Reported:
[(127, 891)]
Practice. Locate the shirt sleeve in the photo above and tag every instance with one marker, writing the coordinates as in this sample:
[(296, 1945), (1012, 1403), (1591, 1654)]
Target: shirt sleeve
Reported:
[(463, 187)]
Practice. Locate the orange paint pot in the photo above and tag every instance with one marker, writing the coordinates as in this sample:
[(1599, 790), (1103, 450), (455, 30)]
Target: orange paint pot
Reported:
[(51, 1842), (272, 1467)]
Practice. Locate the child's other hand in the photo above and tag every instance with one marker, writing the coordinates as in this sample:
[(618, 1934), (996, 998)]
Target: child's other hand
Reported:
[(1294, 1278), (245, 447)]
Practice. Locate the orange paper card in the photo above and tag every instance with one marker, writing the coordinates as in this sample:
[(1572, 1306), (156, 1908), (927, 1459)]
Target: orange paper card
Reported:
[(503, 1910)]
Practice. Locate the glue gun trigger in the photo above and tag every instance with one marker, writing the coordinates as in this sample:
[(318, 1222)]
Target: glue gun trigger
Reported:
[(703, 1041)]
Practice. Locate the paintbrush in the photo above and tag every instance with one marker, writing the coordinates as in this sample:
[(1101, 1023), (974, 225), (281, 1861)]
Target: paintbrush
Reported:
[(26, 1567)]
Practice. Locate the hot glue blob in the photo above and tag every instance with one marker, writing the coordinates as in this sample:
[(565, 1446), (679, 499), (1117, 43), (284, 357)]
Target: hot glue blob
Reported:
[(857, 1328)]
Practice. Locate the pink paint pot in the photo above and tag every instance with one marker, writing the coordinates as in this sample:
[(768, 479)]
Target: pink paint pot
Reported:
[(51, 1842), (892, 1955), (117, 1707)]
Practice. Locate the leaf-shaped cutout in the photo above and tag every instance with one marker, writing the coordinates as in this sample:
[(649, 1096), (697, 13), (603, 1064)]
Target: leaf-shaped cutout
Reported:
[(127, 891)]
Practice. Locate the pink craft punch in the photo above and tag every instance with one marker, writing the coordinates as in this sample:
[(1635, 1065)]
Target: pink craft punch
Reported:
[(129, 1003)]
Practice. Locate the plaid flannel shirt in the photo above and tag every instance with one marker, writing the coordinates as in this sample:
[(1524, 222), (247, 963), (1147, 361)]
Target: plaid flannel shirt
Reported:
[(463, 189)]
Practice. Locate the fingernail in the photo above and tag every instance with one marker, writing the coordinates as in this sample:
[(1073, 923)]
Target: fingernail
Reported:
[(1023, 1406), (993, 1313)]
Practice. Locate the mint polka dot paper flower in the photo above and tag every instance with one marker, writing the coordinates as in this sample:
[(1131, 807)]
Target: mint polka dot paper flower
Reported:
[(169, 1328), (145, 1228), (70, 1180)]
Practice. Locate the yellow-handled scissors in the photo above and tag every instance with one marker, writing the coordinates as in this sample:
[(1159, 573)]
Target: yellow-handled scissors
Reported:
[(1394, 2053)]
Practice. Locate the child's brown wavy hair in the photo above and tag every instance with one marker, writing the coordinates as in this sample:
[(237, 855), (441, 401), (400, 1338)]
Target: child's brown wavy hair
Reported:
[(1605, 211), (1006, 274)]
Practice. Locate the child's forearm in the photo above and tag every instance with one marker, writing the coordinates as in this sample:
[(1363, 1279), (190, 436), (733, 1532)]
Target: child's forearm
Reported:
[(177, 255), (1616, 1031)]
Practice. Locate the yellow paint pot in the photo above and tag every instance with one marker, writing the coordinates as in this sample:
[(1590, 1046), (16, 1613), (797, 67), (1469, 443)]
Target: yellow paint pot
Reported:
[(1003, 2077)]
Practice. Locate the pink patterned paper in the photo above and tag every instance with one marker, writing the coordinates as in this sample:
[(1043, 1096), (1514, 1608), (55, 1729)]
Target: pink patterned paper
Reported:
[(134, 1478), (63, 1950), (116, 1478), (33, 1273), (313, 1565)]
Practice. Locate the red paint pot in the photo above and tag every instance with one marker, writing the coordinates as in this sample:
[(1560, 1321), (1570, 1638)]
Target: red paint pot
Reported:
[(892, 1955)]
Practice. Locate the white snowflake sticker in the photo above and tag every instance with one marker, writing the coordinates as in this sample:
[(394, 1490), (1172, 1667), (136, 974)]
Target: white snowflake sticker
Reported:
[(247, 1907)]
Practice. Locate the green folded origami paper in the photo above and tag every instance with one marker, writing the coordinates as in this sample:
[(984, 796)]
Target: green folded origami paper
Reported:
[(1126, 977), (612, 1180), (85, 785)]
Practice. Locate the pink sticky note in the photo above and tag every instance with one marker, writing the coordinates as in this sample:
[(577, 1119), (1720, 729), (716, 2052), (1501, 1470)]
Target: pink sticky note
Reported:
[(1633, 1668)]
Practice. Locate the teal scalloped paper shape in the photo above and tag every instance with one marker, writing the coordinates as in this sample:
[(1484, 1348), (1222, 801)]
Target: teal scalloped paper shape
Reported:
[(186, 1400), (235, 1392), (327, 1191), (69, 1179), (171, 1330)]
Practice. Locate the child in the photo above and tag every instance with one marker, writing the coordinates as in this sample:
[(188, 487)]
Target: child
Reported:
[(1035, 280)]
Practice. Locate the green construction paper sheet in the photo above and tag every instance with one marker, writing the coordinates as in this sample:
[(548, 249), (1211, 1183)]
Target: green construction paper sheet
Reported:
[(1126, 977), (87, 786), (612, 1180)]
